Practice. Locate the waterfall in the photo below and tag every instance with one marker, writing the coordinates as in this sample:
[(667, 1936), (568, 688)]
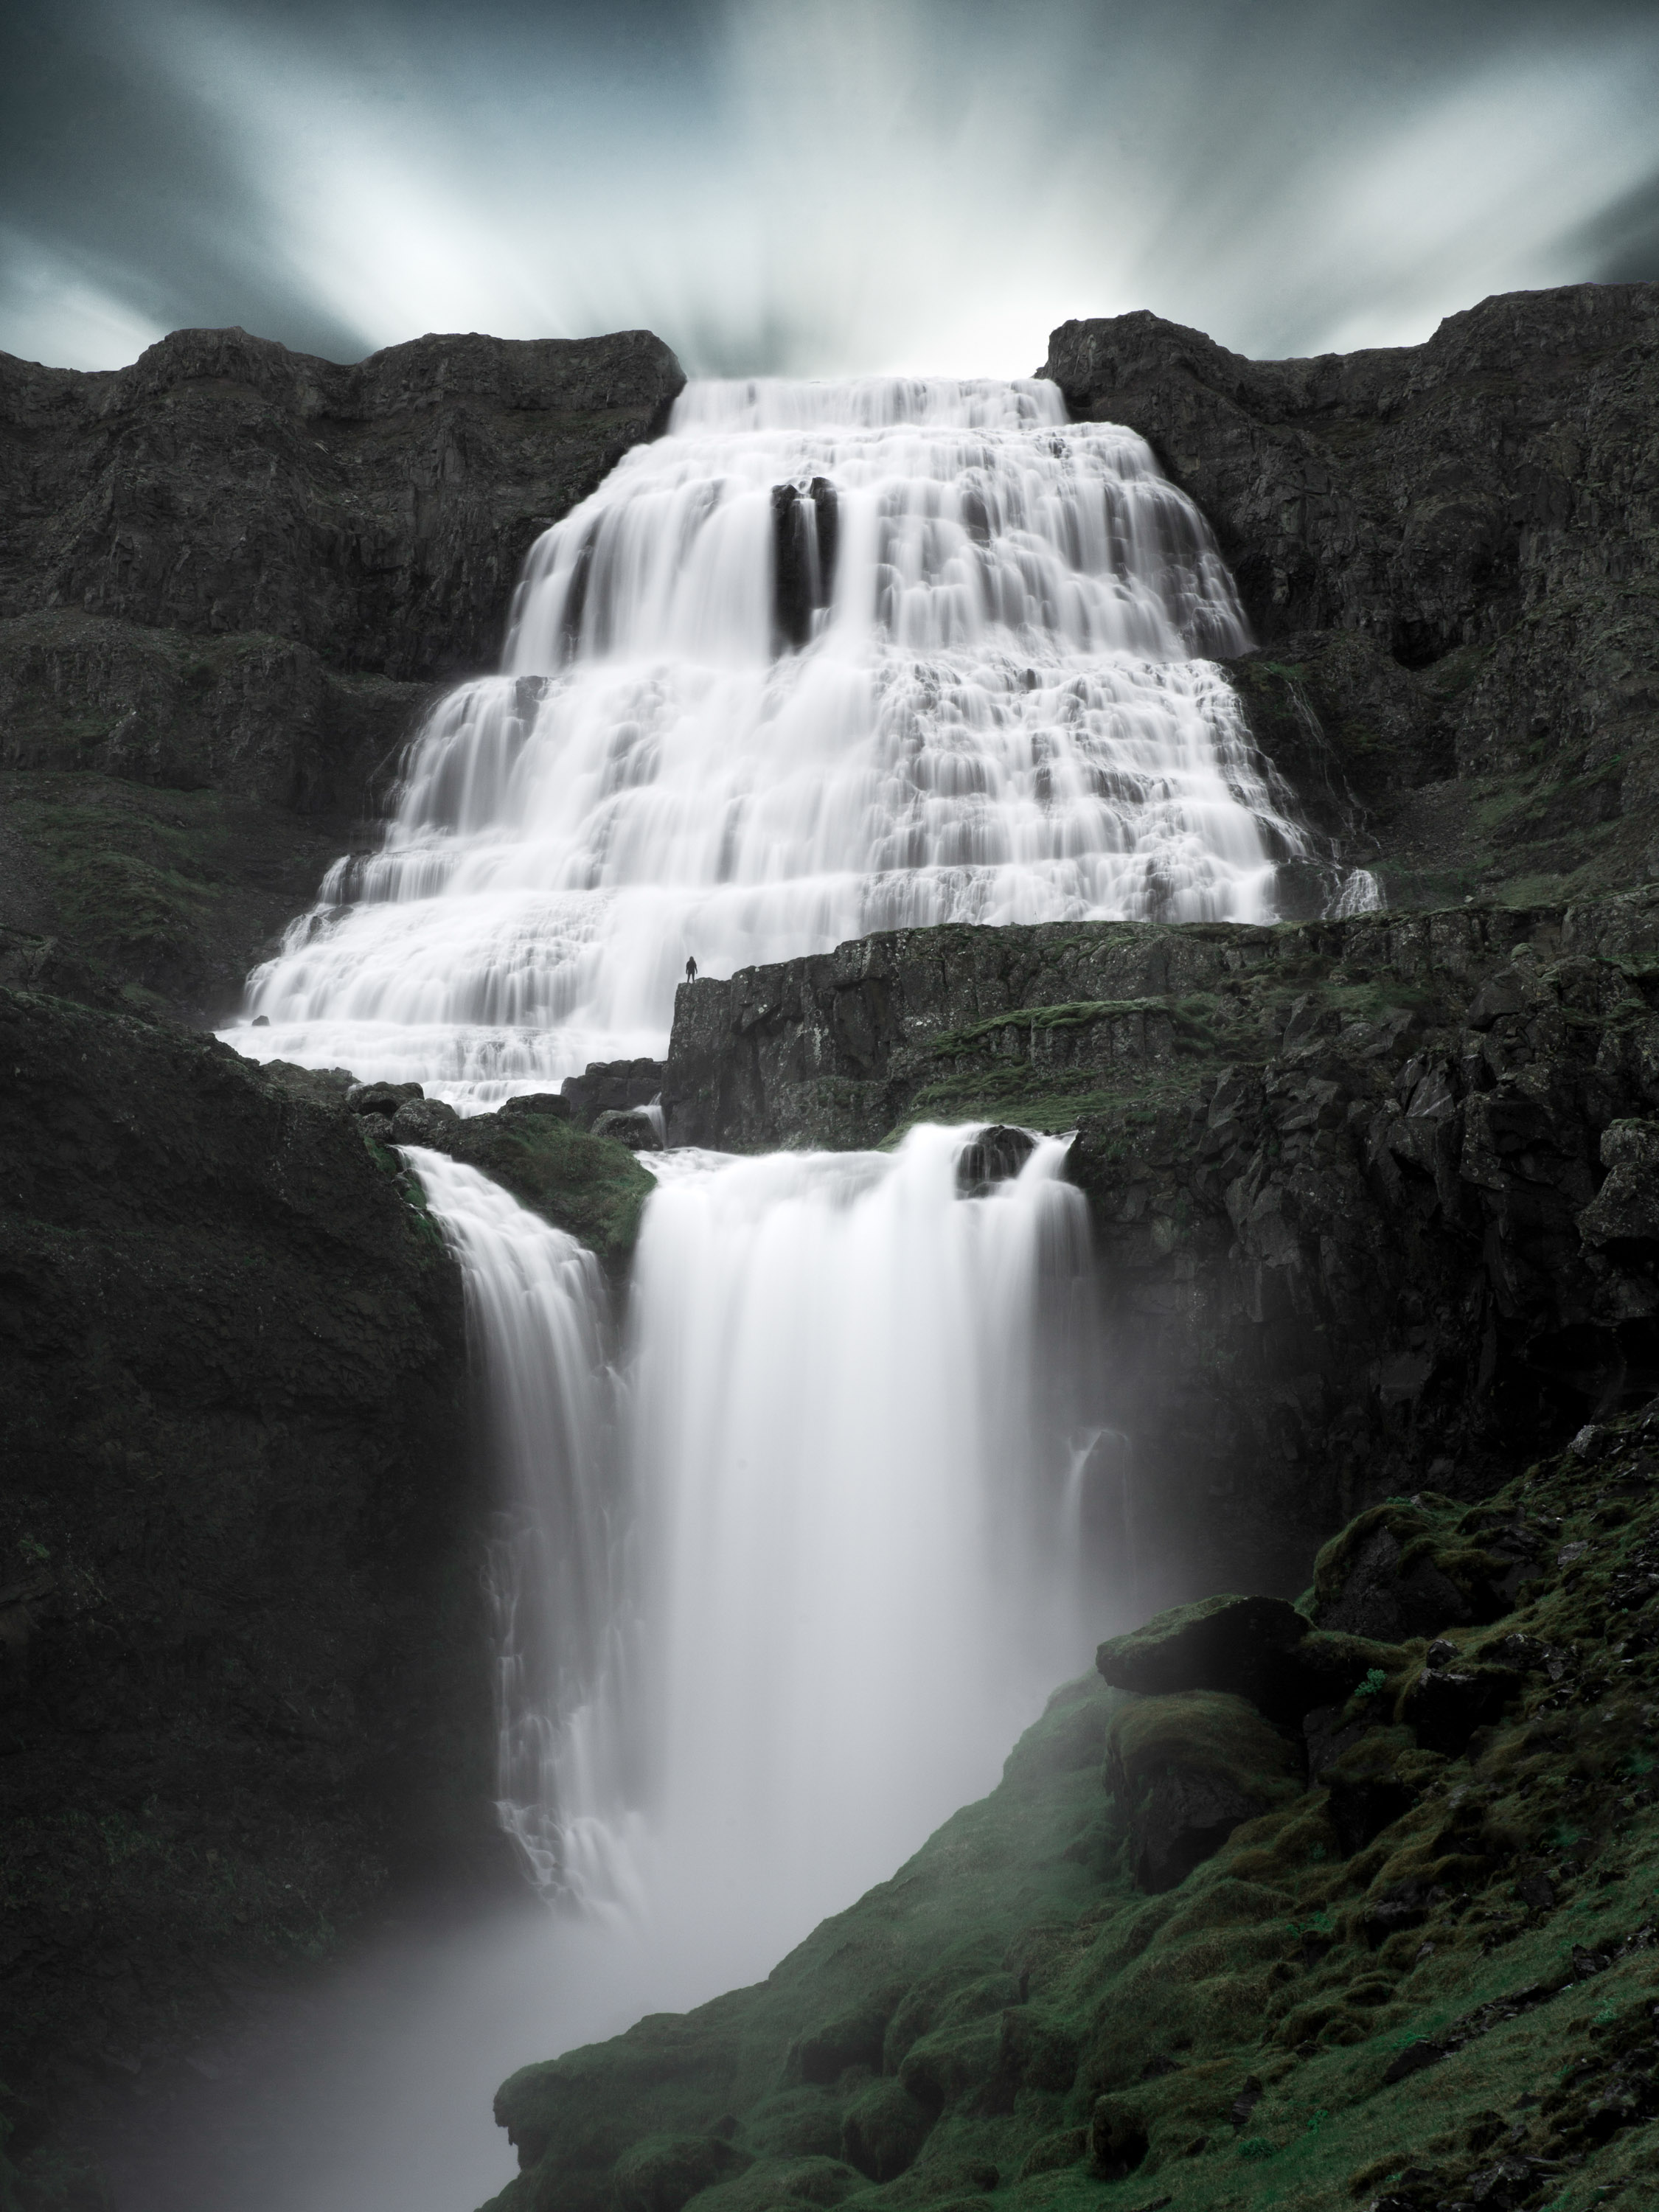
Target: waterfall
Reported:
[(824, 659), (840, 1487), (849, 1418), (536, 1310)]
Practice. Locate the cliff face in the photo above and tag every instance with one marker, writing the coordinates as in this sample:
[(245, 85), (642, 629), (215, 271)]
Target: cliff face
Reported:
[(1450, 553), (242, 1667), (238, 573), (1376, 1201)]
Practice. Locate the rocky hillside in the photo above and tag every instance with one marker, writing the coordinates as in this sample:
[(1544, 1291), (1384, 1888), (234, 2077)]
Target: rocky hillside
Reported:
[(231, 574), (1450, 555), (1376, 1201), (1352, 1905)]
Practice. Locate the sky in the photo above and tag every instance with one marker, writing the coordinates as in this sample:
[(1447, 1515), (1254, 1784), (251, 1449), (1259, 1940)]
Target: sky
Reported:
[(811, 187)]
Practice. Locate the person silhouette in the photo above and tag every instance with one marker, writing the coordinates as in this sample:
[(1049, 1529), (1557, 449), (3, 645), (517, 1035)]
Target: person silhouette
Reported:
[(690, 971)]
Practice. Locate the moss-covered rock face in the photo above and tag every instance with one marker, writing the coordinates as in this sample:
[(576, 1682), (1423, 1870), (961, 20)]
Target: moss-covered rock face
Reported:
[(1428, 1975)]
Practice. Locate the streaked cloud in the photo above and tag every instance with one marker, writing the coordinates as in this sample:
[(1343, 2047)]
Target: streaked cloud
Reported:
[(812, 185)]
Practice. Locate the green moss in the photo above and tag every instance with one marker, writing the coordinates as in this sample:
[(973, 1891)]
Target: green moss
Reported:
[(1035, 2002), (591, 1187)]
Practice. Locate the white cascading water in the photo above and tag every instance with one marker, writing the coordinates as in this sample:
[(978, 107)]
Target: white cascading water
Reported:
[(825, 659), (838, 1491), (775, 1588)]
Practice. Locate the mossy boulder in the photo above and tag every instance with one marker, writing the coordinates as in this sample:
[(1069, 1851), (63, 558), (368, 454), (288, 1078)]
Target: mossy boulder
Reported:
[(591, 1187), (884, 2127), (1187, 1771), (1415, 1567), (666, 2172)]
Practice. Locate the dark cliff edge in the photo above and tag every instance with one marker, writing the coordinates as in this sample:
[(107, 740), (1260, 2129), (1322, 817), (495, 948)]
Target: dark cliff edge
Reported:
[(230, 578), (1376, 1201), (1347, 1906), (1450, 555), (243, 1672)]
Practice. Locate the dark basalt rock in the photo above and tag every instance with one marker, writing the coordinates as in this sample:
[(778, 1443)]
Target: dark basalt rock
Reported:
[(377, 514), (633, 1128), (1247, 1646), (1449, 584), (611, 1087), (239, 1540), (996, 1155)]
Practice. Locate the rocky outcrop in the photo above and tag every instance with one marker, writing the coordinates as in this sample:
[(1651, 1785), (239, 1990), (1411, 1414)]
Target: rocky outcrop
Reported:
[(231, 576), (1345, 1178), (377, 514), (1420, 1975), (242, 1667), (1449, 552)]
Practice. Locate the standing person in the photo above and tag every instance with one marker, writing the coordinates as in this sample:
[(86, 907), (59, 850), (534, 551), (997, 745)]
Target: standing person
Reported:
[(690, 971)]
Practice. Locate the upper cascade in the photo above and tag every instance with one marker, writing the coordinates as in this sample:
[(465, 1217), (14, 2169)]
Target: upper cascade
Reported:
[(824, 659)]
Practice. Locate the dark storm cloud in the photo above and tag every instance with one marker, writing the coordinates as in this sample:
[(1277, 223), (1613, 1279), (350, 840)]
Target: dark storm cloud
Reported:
[(811, 185)]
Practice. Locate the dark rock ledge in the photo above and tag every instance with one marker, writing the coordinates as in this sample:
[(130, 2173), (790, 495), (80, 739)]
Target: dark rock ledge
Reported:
[(1374, 1201)]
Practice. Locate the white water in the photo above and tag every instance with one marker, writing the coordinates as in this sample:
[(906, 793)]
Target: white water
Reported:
[(776, 1589), (999, 711), (838, 1498)]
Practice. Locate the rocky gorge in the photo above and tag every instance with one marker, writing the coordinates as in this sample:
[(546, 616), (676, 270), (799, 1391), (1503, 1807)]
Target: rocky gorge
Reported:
[(1346, 1900)]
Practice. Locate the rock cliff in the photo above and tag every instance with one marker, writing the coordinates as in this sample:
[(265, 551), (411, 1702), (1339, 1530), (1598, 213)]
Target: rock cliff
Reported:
[(234, 574), (1450, 553), (242, 1668), (1371, 1198)]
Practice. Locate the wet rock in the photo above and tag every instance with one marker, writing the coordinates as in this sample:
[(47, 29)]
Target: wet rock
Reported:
[(611, 1087), (637, 1130), (996, 1155), (552, 1103), (382, 1097), (422, 1121)]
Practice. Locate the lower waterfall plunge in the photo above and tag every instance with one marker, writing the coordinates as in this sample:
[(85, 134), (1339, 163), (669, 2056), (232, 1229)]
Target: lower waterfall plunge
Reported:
[(775, 1600)]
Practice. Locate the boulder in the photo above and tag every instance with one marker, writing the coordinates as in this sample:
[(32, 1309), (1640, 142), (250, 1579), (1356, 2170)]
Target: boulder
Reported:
[(882, 2129), (996, 1155), (1258, 1647), (382, 1097), (551, 1103), (1625, 1210), (666, 2172), (611, 1087), (1377, 1597), (633, 1129), (1188, 1769), (426, 1121)]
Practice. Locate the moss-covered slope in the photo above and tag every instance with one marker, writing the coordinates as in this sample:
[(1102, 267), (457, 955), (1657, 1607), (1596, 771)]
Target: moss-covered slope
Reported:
[(1427, 1978)]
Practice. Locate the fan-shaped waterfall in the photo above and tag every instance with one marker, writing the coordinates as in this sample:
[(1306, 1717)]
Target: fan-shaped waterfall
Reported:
[(824, 659)]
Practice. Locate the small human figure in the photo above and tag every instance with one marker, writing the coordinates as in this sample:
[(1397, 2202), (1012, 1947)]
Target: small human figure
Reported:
[(690, 971)]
